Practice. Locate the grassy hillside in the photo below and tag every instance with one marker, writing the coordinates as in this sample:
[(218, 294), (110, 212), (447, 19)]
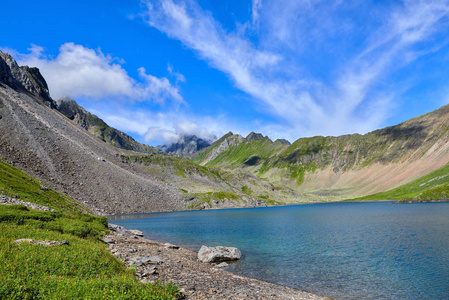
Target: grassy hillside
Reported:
[(247, 153), (16, 184), (340, 166), (433, 186), (84, 269)]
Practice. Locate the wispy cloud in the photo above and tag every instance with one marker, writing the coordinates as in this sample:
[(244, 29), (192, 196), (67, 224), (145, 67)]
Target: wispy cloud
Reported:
[(78, 71), (162, 128), (351, 97), (256, 6)]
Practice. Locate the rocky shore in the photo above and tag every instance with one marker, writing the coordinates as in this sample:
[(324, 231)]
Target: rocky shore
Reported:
[(157, 261)]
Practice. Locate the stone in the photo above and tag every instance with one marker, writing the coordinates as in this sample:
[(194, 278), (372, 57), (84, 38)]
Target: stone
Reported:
[(151, 260), (222, 265), (218, 254), (170, 246), (44, 243), (108, 240), (146, 260), (19, 241), (136, 232)]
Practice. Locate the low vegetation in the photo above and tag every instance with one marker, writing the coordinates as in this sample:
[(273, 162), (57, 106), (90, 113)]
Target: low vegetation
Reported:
[(16, 184), (433, 186), (83, 269)]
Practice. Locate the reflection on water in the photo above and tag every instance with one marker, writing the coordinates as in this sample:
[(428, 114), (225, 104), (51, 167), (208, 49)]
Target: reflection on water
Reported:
[(372, 250)]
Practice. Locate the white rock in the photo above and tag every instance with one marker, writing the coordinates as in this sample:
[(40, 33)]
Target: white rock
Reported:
[(170, 246), (218, 254), (136, 232)]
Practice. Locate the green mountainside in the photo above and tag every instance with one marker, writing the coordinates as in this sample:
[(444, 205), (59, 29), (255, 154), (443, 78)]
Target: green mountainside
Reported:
[(338, 167), (83, 268), (433, 186)]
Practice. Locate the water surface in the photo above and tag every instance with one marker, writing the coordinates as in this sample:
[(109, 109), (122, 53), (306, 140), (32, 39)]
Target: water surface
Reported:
[(369, 250)]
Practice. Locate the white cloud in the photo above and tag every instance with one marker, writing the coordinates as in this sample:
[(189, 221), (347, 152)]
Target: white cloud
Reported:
[(256, 6), (354, 99), (78, 71), (162, 128)]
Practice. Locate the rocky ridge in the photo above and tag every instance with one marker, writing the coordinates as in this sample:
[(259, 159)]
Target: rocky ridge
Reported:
[(186, 146), (99, 128), (24, 77)]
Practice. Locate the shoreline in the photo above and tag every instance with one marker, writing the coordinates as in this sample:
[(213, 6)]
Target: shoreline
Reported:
[(155, 261)]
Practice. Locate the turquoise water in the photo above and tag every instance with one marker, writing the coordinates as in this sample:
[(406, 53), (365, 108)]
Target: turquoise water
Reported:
[(374, 250)]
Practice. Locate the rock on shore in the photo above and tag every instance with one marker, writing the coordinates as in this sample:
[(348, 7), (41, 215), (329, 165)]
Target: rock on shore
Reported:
[(218, 254), (196, 280)]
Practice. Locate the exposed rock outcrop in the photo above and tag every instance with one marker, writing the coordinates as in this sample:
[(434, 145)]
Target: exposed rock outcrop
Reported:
[(99, 128), (43, 243), (254, 137), (4, 200), (24, 77)]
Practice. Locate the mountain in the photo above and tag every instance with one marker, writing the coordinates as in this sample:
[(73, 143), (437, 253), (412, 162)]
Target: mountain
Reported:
[(99, 128), (75, 153), (24, 77), (340, 167), (185, 146)]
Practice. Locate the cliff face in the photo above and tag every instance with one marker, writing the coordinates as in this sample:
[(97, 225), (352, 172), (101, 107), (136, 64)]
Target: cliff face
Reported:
[(99, 128), (24, 77)]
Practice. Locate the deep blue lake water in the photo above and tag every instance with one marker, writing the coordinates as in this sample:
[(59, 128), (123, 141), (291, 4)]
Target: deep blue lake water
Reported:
[(370, 250)]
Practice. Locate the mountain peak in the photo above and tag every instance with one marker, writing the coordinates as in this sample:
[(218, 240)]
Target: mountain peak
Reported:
[(282, 141), (24, 77), (254, 137), (186, 145)]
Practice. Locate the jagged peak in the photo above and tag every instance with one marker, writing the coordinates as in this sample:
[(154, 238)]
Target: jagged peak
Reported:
[(28, 78), (283, 142), (186, 145), (254, 137)]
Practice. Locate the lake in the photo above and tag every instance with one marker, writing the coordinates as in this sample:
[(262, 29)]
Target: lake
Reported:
[(350, 250)]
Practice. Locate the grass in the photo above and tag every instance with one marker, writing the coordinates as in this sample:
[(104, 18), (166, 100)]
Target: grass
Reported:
[(84, 269), (16, 184), (214, 196), (433, 186), (247, 190)]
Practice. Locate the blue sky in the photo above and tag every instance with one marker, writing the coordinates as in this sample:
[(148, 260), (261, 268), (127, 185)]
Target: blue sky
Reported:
[(157, 69)]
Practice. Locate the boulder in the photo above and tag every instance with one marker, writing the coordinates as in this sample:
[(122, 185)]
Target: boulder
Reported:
[(146, 260), (218, 254), (170, 246), (221, 265), (136, 232)]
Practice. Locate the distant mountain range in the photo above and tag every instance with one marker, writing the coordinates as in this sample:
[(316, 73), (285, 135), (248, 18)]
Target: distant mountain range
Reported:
[(185, 146), (104, 169)]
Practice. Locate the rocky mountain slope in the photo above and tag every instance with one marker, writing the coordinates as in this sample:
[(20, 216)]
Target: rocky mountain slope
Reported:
[(99, 128), (46, 144), (76, 153), (345, 166)]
